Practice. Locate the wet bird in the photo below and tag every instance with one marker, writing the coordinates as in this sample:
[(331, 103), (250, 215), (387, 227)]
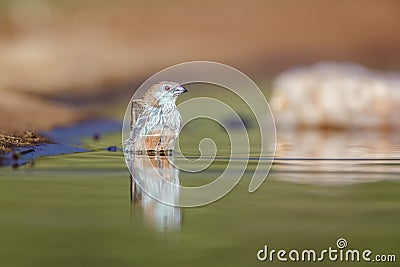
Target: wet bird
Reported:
[(155, 120)]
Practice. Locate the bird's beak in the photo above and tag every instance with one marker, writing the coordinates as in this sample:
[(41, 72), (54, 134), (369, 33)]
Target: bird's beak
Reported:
[(180, 90)]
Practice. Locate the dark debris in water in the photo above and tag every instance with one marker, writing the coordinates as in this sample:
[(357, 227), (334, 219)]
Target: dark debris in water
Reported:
[(112, 148), (96, 136), (234, 123)]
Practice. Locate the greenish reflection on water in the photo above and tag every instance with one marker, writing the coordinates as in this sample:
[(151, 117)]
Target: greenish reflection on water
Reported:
[(75, 210)]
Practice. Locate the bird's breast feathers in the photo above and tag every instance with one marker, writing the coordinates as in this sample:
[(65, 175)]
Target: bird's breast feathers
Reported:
[(160, 119)]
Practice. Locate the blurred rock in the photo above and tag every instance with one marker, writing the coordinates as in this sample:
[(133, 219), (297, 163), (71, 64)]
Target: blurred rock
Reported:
[(337, 96)]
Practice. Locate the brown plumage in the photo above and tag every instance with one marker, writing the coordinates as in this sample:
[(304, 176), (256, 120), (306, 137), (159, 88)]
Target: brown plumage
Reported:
[(155, 120)]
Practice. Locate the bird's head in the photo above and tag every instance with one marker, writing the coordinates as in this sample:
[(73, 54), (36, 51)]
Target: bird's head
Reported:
[(163, 93)]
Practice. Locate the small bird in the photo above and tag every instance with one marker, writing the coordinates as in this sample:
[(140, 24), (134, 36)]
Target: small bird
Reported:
[(155, 120)]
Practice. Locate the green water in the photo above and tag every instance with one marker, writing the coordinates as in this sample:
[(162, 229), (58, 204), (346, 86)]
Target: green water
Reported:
[(75, 210)]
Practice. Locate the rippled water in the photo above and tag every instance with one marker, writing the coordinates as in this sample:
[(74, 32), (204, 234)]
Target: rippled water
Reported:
[(75, 210), (338, 157)]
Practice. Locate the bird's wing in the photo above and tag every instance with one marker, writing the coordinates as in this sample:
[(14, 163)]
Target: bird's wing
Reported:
[(137, 108), (140, 115)]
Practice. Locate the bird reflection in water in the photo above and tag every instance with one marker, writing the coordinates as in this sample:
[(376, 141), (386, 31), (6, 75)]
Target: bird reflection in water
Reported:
[(154, 181)]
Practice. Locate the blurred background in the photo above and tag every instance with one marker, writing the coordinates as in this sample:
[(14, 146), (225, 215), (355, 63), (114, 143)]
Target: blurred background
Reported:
[(329, 68), (55, 54)]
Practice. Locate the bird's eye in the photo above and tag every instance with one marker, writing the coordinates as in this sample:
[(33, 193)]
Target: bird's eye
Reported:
[(167, 88)]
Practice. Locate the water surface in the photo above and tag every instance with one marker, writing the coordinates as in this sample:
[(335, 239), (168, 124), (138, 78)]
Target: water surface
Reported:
[(75, 210)]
